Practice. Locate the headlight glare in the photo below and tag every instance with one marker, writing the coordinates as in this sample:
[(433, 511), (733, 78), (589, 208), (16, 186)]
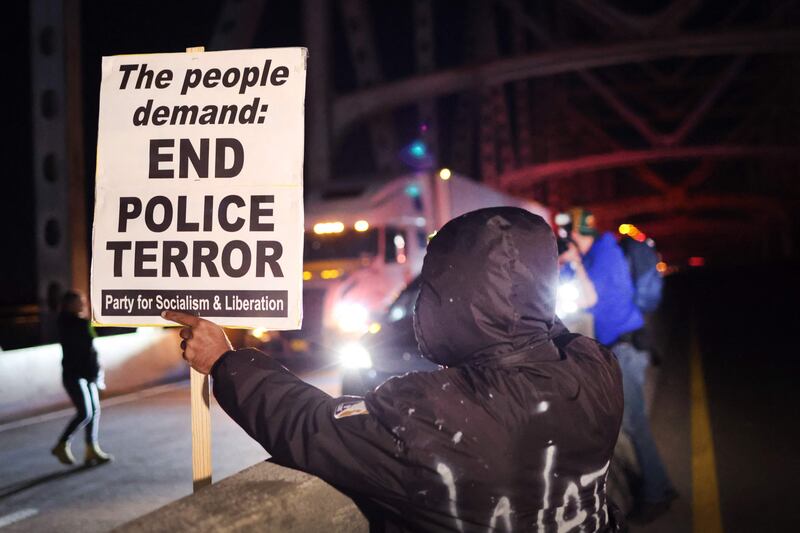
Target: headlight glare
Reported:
[(351, 317), (354, 355), (567, 299)]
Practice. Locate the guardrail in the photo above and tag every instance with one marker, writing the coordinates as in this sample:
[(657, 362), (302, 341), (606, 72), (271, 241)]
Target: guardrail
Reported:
[(30, 378)]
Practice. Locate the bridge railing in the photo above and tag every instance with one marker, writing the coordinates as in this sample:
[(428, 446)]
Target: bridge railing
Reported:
[(264, 497)]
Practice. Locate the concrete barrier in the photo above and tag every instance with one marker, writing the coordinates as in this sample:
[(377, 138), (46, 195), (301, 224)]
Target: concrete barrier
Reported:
[(265, 497), (30, 378)]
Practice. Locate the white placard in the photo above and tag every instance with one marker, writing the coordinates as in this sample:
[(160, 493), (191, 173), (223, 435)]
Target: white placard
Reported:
[(199, 191)]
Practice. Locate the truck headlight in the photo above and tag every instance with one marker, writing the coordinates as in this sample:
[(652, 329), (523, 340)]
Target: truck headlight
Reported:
[(351, 317), (354, 355), (567, 299)]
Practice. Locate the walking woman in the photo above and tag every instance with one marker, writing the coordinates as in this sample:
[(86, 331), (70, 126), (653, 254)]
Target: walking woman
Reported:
[(81, 374)]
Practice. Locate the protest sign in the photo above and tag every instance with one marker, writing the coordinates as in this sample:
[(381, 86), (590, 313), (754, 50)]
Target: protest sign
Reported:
[(199, 199)]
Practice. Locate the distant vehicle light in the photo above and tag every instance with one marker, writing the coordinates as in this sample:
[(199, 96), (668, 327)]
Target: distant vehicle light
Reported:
[(696, 261), (396, 313), (445, 174), (307, 275), (661, 266), (299, 345), (354, 355), (324, 228), (331, 273), (374, 328), (361, 225), (351, 317), (260, 333)]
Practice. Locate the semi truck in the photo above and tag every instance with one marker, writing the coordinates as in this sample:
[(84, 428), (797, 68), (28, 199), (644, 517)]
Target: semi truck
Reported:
[(365, 242)]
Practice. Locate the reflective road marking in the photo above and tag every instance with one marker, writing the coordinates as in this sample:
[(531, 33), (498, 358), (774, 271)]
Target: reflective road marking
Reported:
[(115, 400), (706, 516), (16, 516)]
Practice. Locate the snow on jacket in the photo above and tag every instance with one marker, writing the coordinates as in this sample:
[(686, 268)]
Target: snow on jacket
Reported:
[(515, 433)]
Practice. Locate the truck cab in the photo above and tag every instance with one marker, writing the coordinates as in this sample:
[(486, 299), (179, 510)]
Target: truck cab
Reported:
[(364, 243)]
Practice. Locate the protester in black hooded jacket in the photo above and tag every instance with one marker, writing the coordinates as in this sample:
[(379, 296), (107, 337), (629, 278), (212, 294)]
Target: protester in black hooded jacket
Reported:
[(514, 433), (81, 376)]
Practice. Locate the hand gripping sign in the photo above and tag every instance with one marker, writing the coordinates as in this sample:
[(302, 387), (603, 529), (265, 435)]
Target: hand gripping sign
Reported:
[(199, 199)]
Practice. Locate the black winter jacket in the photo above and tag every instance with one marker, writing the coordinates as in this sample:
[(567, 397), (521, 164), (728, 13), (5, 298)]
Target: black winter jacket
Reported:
[(515, 433), (79, 356)]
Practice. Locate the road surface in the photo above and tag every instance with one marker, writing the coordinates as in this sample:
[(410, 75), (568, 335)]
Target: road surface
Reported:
[(149, 435)]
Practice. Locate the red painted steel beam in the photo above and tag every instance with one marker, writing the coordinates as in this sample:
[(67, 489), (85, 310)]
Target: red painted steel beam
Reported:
[(697, 227), (618, 211), (643, 172), (527, 176), (360, 104), (666, 20)]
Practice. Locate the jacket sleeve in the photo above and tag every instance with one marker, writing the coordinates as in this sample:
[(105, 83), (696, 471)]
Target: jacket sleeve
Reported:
[(80, 357), (298, 425), (91, 365)]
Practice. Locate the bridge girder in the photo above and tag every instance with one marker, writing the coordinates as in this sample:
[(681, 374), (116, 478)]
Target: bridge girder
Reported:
[(360, 104), (522, 178)]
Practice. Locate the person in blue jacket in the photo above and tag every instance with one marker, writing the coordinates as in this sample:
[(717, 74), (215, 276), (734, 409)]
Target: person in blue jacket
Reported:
[(599, 263)]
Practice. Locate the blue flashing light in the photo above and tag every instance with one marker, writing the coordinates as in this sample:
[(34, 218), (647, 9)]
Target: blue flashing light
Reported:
[(417, 155), (418, 149), (413, 190)]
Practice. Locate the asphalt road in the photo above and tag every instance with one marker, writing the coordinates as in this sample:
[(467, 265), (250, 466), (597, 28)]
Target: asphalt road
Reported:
[(747, 324), (738, 473), (149, 436), (724, 415)]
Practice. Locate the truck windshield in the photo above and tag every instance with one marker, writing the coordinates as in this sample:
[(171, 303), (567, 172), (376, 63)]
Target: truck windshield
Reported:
[(346, 245)]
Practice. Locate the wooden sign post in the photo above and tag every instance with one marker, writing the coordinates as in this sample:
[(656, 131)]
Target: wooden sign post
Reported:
[(201, 430), (200, 392)]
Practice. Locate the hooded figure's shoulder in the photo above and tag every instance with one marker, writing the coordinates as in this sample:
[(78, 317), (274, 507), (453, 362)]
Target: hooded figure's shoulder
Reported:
[(419, 398), (413, 390), (592, 364), (581, 346)]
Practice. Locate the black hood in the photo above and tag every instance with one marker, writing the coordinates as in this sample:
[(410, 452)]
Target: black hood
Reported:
[(488, 288)]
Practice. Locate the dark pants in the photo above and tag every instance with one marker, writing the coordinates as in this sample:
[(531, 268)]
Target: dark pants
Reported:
[(86, 399), (655, 482)]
